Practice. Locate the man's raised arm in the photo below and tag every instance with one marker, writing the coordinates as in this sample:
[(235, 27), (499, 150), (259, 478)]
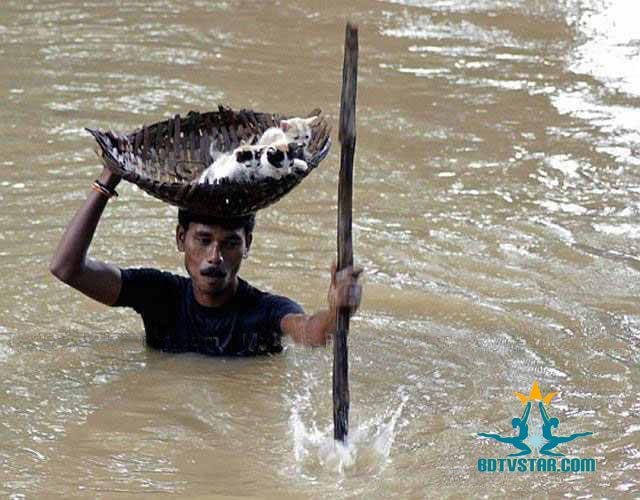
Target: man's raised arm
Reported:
[(70, 264)]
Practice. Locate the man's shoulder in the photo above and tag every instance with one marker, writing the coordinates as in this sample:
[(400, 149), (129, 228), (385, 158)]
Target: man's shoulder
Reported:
[(247, 291), (152, 274), (147, 285), (267, 300)]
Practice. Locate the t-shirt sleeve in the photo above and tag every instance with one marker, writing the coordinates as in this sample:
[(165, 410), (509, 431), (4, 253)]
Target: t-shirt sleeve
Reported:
[(277, 307), (148, 290)]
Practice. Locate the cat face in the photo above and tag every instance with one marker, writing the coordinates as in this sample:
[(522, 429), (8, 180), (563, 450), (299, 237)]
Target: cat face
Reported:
[(248, 157), (276, 161), (298, 130)]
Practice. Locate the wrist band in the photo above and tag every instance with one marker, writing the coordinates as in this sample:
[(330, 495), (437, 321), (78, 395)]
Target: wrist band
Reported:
[(110, 190), (104, 189), (98, 187)]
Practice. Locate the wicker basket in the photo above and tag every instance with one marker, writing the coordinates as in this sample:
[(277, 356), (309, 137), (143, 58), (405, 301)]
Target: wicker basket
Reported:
[(166, 159)]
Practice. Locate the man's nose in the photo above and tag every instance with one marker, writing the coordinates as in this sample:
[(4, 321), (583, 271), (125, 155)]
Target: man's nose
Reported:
[(214, 256)]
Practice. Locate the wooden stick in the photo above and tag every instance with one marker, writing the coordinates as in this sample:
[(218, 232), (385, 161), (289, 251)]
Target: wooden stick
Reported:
[(347, 138)]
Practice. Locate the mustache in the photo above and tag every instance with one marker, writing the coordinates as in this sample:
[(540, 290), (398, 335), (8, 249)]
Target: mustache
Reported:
[(214, 272)]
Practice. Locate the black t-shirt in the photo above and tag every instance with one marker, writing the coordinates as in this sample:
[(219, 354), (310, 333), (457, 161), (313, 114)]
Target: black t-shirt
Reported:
[(174, 321)]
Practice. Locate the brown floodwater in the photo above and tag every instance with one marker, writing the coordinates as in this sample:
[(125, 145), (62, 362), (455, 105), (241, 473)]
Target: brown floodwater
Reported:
[(496, 204)]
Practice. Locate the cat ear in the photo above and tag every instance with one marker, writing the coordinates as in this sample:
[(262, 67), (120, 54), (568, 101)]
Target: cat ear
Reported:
[(310, 121), (284, 125)]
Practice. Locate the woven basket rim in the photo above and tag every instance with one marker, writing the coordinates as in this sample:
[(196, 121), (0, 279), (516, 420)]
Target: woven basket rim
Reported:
[(161, 159)]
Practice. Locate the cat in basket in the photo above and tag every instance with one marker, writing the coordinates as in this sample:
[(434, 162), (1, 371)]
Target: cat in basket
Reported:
[(273, 156)]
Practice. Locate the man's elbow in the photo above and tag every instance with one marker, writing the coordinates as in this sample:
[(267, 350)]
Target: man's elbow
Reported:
[(64, 273)]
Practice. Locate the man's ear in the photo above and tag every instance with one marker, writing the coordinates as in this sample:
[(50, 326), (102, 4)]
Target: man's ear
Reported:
[(180, 235), (248, 239)]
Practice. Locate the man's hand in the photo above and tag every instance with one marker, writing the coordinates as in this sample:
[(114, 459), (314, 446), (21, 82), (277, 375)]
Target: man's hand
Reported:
[(108, 178), (344, 291)]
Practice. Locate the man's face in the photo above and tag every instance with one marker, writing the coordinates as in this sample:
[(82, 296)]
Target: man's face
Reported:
[(212, 255)]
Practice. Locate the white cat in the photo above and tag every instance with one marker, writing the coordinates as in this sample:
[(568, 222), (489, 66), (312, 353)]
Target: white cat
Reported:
[(249, 163), (296, 130), (235, 166), (278, 160)]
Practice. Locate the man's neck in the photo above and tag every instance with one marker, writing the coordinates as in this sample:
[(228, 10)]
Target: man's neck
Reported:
[(218, 299)]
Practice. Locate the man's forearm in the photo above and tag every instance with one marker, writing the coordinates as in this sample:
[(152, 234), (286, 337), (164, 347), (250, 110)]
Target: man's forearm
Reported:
[(70, 255), (321, 326), (311, 330), (315, 329)]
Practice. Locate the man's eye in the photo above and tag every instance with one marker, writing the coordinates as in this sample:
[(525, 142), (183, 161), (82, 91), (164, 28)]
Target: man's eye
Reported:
[(231, 244), (203, 241)]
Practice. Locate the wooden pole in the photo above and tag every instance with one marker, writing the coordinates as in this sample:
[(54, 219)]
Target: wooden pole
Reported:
[(347, 136)]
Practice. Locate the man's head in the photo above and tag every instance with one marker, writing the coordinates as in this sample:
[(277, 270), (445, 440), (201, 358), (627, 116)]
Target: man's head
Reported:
[(213, 249)]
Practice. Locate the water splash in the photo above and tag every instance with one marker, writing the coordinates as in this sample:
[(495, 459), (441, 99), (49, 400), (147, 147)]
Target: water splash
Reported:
[(367, 449)]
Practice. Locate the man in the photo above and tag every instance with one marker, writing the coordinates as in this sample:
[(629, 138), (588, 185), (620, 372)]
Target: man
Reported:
[(212, 312)]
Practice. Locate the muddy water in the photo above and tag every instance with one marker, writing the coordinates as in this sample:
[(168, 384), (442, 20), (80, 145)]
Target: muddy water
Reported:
[(496, 212)]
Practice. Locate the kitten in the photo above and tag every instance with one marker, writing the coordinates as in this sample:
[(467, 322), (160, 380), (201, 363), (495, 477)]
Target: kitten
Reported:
[(234, 166), (252, 163), (296, 130), (278, 160)]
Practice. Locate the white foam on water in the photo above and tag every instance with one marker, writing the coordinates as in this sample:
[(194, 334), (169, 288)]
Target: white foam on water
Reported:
[(565, 164), (608, 51), (620, 123), (569, 208), (5, 350), (559, 231), (366, 450), (628, 230)]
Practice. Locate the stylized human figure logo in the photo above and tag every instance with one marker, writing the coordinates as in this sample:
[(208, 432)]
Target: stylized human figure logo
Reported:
[(553, 441), (523, 427), (517, 441)]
